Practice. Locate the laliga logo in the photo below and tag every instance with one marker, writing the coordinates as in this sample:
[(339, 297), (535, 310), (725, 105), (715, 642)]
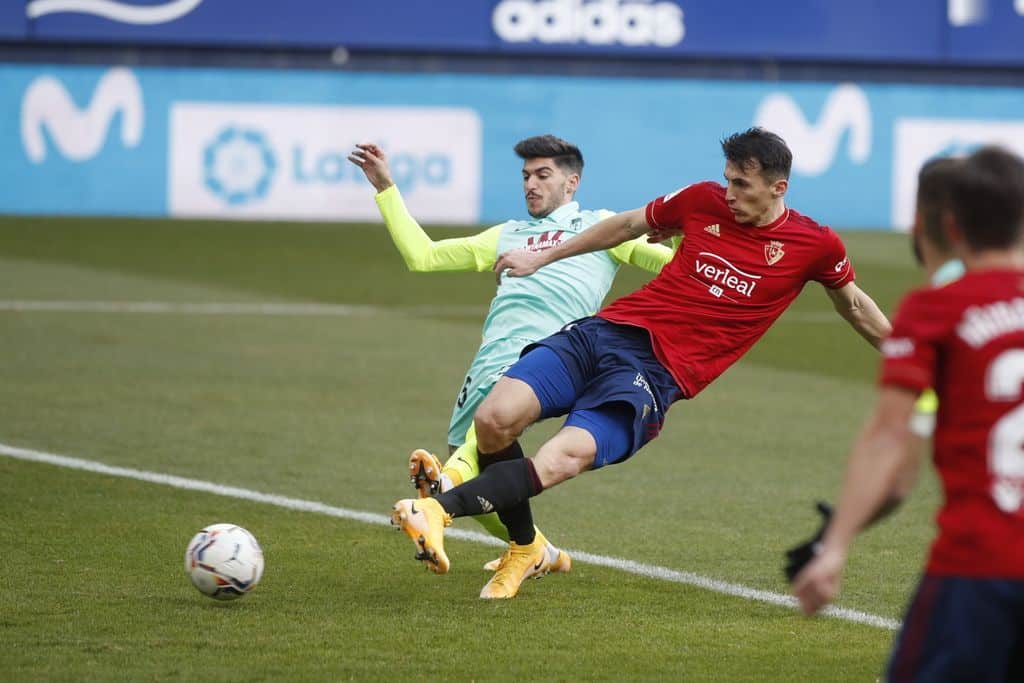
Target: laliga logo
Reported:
[(79, 134), (238, 165), (115, 11), (814, 146), (601, 22)]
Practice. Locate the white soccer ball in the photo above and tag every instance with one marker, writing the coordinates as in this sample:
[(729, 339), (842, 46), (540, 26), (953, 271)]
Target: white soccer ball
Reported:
[(224, 561)]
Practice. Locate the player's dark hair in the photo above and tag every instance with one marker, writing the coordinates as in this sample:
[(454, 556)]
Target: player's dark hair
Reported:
[(934, 198), (762, 146), (915, 249), (565, 154), (988, 199)]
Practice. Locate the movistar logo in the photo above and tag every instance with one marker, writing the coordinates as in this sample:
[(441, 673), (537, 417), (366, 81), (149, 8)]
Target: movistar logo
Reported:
[(79, 134), (593, 22), (126, 13), (815, 145)]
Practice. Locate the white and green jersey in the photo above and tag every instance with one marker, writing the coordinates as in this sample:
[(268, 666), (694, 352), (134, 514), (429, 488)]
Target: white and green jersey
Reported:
[(537, 306), (526, 309)]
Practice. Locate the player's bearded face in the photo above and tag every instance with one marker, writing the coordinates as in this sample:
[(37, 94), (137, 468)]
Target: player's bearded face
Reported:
[(546, 186), (749, 194)]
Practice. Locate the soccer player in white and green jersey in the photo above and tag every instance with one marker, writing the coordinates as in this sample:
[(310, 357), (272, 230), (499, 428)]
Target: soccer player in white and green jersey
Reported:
[(524, 310)]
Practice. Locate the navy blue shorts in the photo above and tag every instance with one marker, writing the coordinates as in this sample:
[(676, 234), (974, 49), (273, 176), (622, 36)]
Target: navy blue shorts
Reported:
[(606, 378), (962, 629)]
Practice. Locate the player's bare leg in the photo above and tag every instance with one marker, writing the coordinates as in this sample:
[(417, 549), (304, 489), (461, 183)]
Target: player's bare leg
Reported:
[(510, 407), (568, 453)]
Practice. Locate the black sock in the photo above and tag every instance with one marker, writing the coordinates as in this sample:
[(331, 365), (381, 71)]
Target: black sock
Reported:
[(519, 522), (511, 452), (501, 487)]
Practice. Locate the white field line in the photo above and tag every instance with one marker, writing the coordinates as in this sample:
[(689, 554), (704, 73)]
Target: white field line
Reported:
[(628, 566), (286, 309)]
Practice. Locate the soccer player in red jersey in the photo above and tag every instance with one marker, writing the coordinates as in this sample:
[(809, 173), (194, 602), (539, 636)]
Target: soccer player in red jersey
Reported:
[(745, 256), (966, 622)]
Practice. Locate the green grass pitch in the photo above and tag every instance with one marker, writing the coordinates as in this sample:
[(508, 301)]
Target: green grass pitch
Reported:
[(326, 408)]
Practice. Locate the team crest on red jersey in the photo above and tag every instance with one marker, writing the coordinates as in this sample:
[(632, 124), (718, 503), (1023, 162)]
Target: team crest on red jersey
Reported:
[(773, 252)]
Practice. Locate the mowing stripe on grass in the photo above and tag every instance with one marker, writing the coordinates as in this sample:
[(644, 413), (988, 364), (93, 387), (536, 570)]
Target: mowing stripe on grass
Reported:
[(287, 309), (629, 566), (210, 308)]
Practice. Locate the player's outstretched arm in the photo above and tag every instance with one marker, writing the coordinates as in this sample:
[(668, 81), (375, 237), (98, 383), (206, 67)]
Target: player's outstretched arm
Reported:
[(420, 253), (860, 310), (875, 476), (605, 234), (643, 254)]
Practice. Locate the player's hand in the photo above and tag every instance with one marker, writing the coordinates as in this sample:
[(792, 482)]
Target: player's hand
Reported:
[(799, 555), (656, 235), (374, 162), (818, 584), (518, 263)]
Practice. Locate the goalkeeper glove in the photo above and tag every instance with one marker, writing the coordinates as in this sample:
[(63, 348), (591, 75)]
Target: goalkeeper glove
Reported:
[(798, 556)]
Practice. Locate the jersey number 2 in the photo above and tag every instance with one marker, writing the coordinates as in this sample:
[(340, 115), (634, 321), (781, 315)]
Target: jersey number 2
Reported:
[(1003, 382)]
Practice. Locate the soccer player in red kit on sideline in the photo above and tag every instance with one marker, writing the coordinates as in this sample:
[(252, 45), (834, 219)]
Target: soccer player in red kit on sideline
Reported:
[(744, 257), (966, 621)]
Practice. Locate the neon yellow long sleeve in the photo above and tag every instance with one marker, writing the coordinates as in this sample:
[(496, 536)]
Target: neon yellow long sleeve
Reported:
[(421, 254), (642, 254)]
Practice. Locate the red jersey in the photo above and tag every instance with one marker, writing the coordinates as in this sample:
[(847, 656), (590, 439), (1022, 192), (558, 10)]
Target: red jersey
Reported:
[(967, 340), (727, 282)]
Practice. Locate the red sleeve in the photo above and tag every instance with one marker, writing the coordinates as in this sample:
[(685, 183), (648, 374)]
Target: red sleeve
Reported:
[(833, 269), (669, 212), (909, 354)]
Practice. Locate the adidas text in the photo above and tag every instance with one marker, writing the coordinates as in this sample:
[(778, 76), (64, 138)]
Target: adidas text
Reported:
[(597, 22)]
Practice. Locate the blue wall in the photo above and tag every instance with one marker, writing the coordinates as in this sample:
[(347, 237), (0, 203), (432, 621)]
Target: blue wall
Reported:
[(881, 31)]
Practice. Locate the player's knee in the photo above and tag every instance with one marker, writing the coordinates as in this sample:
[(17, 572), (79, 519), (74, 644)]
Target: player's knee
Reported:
[(506, 412), (496, 423), (556, 470), (554, 466)]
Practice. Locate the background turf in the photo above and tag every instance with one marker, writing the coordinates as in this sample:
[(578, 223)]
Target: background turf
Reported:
[(327, 408)]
